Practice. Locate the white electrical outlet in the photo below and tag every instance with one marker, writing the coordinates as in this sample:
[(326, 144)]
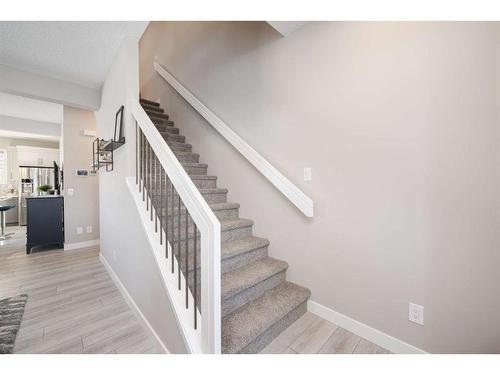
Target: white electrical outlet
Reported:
[(79, 230), (307, 174), (416, 313), (71, 191), (89, 229)]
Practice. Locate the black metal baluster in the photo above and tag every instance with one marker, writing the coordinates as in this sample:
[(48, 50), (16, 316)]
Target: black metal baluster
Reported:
[(172, 242), (151, 182), (140, 160), (167, 234), (158, 192), (195, 282), (179, 241), (186, 272), (143, 164), (161, 205), (148, 171), (154, 195)]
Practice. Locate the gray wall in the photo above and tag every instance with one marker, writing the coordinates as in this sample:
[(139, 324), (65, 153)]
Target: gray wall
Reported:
[(399, 122), (123, 240), (82, 208)]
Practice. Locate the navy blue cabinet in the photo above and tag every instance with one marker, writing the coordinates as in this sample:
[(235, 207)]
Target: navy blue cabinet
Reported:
[(45, 219)]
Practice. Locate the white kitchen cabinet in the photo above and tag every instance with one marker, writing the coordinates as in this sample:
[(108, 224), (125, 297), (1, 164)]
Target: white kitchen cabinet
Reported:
[(37, 156)]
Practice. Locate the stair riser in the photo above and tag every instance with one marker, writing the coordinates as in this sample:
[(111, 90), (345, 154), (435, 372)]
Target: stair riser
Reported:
[(155, 115), (151, 108), (231, 213), (169, 130), (209, 198), (149, 102), (240, 260), (180, 146), (226, 236), (236, 234), (163, 125), (173, 137), (191, 170), (261, 341), (204, 183), (227, 264), (183, 157), (188, 158), (232, 303), (215, 198)]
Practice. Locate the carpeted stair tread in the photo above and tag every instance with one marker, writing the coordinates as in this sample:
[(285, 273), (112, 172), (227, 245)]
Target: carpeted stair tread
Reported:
[(247, 276), (242, 326), (231, 224), (213, 206), (237, 247), (152, 108), (179, 146), (224, 206), (149, 102), (203, 177), (225, 226), (158, 115), (213, 191)]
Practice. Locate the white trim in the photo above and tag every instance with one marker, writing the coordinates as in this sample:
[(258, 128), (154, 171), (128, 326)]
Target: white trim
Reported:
[(380, 338), (130, 301), (283, 184), (206, 221), (80, 245)]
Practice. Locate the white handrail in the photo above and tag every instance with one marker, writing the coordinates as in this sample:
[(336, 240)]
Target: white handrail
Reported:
[(207, 224), (283, 184)]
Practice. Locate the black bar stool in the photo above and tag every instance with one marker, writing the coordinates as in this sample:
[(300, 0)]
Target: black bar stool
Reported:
[(3, 210)]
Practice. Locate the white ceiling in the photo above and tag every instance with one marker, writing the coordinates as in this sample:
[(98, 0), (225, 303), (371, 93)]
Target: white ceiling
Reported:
[(78, 52)]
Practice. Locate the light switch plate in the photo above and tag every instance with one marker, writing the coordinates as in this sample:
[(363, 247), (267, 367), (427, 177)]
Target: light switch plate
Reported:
[(307, 174), (89, 229), (71, 191), (79, 230), (416, 313)]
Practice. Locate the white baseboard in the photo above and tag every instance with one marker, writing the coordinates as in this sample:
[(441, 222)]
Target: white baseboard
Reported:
[(380, 338), (130, 301), (81, 245)]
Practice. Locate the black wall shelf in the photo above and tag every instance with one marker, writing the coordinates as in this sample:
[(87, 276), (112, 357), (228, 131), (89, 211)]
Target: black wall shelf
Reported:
[(102, 150)]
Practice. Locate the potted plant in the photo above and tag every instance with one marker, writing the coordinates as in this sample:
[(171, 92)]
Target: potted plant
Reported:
[(43, 189)]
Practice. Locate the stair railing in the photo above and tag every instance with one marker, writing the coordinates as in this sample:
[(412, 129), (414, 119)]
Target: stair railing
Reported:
[(283, 184), (188, 230)]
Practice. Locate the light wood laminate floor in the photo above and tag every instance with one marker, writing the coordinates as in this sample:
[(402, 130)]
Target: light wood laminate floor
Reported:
[(311, 334), (73, 305)]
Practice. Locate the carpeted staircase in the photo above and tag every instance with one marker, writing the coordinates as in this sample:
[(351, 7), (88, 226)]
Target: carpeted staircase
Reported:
[(257, 301)]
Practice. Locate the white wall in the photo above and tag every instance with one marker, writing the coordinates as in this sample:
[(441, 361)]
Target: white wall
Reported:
[(123, 241), (18, 82), (82, 208), (399, 123)]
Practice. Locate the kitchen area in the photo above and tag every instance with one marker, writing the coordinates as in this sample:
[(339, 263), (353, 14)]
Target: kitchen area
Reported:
[(28, 168)]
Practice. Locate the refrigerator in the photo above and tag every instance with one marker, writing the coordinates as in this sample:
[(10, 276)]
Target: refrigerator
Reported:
[(31, 178)]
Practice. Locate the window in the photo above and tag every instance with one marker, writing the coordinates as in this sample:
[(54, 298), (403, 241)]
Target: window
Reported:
[(3, 166)]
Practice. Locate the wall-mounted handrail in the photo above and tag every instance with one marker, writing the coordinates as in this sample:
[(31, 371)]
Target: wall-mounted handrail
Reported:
[(205, 220), (283, 184)]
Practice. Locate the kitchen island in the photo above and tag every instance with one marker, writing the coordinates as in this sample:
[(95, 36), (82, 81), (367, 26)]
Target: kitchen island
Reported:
[(45, 220)]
